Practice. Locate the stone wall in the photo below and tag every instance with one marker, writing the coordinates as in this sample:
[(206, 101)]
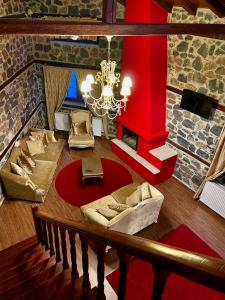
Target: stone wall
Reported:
[(195, 63), (82, 8), (12, 7), (80, 54), (15, 53)]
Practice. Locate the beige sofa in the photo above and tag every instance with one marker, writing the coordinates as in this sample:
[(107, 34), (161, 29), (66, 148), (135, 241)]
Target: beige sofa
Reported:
[(17, 186), (132, 219)]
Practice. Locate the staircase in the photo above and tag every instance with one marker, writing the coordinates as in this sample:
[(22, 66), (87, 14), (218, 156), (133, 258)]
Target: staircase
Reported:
[(28, 272), (45, 266)]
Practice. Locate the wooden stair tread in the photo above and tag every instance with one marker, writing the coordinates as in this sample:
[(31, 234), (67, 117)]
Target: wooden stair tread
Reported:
[(73, 291), (20, 257), (10, 251), (36, 259), (22, 275), (30, 283), (47, 289)]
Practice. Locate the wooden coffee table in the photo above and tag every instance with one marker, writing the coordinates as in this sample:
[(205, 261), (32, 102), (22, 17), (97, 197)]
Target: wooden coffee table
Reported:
[(91, 168)]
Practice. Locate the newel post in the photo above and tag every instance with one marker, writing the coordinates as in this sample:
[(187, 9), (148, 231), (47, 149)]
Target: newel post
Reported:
[(37, 224)]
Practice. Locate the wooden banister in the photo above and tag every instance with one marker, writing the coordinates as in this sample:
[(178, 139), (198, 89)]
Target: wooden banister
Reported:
[(203, 269)]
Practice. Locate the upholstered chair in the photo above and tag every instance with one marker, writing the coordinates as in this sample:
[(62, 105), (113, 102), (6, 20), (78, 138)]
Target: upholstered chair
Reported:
[(81, 135)]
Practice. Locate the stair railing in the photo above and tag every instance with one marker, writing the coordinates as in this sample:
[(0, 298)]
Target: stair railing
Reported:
[(165, 260)]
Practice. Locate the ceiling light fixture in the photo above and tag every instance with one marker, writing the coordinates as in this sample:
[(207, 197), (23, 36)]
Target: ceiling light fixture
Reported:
[(107, 104)]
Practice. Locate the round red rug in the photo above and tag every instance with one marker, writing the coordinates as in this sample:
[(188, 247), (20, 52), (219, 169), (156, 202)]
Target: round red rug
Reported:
[(71, 189)]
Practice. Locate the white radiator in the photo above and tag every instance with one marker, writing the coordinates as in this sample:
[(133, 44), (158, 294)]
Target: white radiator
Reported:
[(213, 195)]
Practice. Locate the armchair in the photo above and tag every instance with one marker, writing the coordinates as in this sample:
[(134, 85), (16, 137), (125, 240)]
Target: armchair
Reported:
[(81, 135)]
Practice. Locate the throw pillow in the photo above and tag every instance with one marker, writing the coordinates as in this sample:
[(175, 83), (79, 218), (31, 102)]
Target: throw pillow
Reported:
[(35, 147), (18, 170), (50, 136), (118, 207), (134, 198), (28, 159), (23, 164), (145, 191), (79, 128), (107, 212), (39, 136)]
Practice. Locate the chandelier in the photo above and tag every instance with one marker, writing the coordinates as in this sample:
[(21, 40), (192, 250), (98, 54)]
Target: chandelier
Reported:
[(106, 104)]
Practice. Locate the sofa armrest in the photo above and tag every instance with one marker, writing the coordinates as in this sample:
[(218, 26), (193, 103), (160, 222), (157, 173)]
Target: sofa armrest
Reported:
[(95, 217), (17, 187)]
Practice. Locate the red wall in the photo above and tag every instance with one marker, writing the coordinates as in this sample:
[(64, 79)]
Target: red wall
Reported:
[(145, 61)]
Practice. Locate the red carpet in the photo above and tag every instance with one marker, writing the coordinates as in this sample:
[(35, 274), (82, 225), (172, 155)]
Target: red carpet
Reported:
[(140, 276), (71, 189)]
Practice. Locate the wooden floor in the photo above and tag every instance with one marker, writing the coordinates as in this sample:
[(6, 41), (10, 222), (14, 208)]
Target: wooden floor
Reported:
[(178, 208)]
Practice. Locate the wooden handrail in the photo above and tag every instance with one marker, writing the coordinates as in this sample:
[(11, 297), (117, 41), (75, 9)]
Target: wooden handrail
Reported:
[(203, 269)]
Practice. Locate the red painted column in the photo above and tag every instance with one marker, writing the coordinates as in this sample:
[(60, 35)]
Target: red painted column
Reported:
[(144, 59)]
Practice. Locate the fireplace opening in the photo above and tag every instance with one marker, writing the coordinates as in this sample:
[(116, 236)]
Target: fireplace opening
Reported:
[(130, 138)]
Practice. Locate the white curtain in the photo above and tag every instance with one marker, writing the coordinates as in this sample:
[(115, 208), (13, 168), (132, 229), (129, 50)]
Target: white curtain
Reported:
[(81, 76), (56, 84)]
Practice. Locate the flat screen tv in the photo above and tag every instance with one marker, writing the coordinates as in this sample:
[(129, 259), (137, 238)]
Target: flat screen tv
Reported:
[(197, 103)]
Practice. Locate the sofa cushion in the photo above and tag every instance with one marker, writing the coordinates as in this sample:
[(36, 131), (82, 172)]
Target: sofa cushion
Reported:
[(18, 170), (52, 152), (134, 198), (145, 191), (35, 147), (107, 212), (79, 128), (84, 139), (121, 194), (118, 207), (43, 173)]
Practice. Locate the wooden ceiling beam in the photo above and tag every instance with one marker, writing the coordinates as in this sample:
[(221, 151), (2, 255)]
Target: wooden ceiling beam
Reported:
[(67, 28), (164, 4), (216, 7), (188, 6)]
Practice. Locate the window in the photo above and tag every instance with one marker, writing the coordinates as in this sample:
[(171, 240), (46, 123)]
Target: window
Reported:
[(73, 96), (72, 88)]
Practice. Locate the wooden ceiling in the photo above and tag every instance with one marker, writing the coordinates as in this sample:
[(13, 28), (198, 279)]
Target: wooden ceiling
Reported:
[(191, 6)]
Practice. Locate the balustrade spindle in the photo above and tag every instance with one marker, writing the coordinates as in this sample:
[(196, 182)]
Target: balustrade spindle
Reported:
[(38, 227), (160, 277), (45, 234), (56, 239), (50, 237), (101, 270), (64, 250), (123, 275), (86, 282), (73, 254)]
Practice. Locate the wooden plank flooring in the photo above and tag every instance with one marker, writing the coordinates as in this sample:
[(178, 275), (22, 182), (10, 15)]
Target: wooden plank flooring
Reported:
[(178, 208)]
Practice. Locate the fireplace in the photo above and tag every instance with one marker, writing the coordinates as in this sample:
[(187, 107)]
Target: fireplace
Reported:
[(130, 138)]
